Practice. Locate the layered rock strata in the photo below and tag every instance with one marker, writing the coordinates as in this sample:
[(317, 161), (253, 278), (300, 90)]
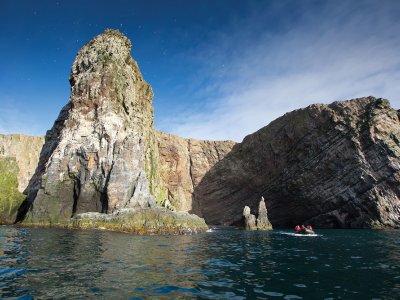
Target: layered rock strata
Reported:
[(183, 164), (101, 154), (334, 165)]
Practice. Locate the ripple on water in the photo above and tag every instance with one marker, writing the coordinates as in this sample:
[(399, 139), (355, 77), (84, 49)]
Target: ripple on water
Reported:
[(9, 273), (219, 265), (271, 294), (292, 297)]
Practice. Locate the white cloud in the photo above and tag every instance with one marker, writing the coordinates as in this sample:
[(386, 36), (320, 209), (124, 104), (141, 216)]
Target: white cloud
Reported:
[(346, 51)]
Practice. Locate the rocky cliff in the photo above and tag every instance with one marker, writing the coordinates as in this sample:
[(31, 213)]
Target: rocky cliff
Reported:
[(334, 165), (101, 154), (183, 164), (19, 155), (25, 151)]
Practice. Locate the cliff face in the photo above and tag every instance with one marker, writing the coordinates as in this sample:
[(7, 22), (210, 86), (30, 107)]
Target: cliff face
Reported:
[(25, 151), (96, 155), (183, 164), (332, 165), (18, 159)]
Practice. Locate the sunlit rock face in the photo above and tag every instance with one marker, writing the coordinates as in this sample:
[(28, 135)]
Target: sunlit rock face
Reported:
[(334, 165), (19, 155), (97, 156), (184, 163), (25, 150)]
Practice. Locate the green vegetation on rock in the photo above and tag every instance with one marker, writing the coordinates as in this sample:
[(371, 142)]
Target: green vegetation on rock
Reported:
[(10, 197), (140, 221)]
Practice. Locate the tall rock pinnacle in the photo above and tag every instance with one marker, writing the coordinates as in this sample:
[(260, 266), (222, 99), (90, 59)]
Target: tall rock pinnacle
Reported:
[(100, 149)]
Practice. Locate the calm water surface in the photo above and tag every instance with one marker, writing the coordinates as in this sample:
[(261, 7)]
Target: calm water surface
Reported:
[(74, 264)]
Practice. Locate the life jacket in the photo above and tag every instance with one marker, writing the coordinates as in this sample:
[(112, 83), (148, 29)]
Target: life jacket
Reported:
[(309, 227), (297, 228)]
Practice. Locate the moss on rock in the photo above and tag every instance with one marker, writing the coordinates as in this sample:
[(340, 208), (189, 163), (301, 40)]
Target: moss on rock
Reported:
[(142, 221), (10, 197)]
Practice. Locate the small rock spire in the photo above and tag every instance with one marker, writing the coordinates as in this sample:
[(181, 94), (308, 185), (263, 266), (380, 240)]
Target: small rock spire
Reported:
[(250, 220), (262, 222)]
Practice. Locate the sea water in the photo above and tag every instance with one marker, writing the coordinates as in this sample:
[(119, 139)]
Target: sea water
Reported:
[(221, 264)]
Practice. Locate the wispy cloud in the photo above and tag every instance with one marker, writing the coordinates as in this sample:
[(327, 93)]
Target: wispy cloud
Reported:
[(253, 75)]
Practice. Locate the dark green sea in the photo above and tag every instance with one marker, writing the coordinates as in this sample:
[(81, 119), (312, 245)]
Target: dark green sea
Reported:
[(223, 264)]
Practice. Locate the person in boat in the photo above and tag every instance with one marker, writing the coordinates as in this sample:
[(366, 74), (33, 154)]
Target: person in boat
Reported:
[(304, 229)]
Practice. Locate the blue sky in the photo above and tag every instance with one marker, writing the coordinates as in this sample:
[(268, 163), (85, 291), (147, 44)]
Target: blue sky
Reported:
[(219, 69)]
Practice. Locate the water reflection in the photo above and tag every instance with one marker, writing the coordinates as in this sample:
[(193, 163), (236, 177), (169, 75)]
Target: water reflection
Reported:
[(51, 263)]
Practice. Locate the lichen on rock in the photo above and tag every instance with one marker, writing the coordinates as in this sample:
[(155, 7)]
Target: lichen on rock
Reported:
[(142, 221), (10, 197)]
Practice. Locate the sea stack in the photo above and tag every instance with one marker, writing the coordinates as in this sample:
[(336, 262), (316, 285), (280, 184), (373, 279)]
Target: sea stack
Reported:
[(261, 223), (262, 219), (101, 154)]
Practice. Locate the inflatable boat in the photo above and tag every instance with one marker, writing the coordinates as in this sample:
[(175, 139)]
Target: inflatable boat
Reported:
[(305, 231)]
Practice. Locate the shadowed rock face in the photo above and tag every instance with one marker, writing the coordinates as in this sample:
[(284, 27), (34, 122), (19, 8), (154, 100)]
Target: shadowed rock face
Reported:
[(331, 165), (96, 155)]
